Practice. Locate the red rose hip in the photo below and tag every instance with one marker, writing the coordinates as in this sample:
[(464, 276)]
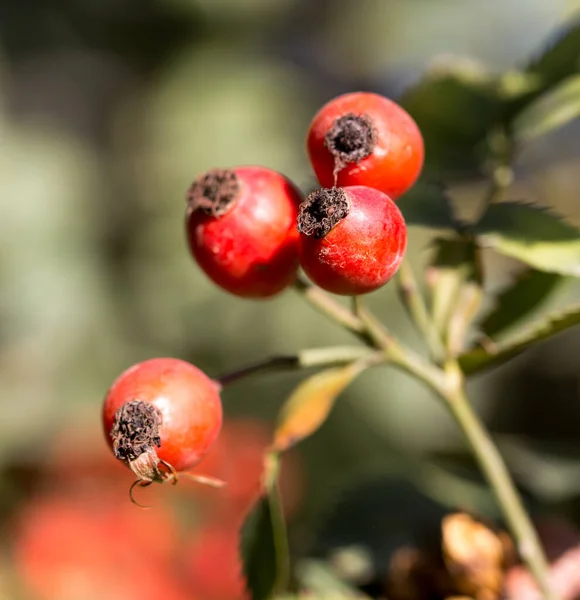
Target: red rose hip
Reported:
[(241, 229), (365, 139), (162, 416), (353, 239)]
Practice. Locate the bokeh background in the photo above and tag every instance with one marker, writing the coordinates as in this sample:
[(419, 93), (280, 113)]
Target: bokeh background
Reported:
[(108, 110)]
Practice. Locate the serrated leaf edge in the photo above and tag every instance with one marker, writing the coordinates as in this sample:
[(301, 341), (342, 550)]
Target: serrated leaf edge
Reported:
[(517, 279), (554, 38), (551, 325)]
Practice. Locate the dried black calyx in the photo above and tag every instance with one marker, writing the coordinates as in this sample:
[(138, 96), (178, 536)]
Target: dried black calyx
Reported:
[(214, 192), (321, 211), (135, 430), (350, 139)]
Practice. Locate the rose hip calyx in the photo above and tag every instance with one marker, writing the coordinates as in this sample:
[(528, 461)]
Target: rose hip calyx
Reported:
[(136, 430), (322, 210), (214, 192), (135, 435), (350, 139)]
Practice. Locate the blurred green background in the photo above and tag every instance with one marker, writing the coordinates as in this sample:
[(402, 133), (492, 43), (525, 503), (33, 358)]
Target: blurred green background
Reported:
[(108, 110)]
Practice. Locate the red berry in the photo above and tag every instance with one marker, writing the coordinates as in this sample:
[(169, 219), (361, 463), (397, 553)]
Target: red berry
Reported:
[(353, 239), (365, 139), (162, 412), (78, 458), (213, 565), (241, 229), (92, 547)]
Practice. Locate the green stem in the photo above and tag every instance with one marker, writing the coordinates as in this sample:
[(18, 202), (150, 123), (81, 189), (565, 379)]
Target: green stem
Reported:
[(397, 353), (450, 385), (329, 307), (413, 301), (498, 477), (305, 359), (372, 332)]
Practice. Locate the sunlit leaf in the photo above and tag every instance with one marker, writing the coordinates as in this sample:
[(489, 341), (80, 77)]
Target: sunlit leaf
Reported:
[(524, 295), (532, 235), (557, 59), (494, 354), (427, 205), (263, 544), (455, 281), (311, 402), (561, 55), (549, 112)]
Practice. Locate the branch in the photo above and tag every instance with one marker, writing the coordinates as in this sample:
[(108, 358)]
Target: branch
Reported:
[(412, 300), (305, 359), (329, 307), (498, 477), (372, 332), (449, 384)]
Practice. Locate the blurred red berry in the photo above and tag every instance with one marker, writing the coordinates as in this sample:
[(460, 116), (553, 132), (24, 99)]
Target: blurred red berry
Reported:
[(69, 548), (163, 411), (353, 239), (213, 565), (78, 458), (365, 139), (241, 229)]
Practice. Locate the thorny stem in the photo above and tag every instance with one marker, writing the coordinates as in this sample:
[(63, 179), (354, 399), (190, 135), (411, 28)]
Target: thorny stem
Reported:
[(305, 359), (449, 384)]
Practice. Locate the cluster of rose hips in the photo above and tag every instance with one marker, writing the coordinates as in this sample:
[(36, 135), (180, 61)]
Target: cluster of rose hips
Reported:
[(250, 230)]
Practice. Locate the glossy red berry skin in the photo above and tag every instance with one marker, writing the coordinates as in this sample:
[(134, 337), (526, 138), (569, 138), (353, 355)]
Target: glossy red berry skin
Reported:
[(189, 402), (251, 250), (396, 159), (362, 251)]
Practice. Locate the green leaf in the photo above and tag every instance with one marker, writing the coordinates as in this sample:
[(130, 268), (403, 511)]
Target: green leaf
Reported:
[(560, 57), (455, 106), (555, 62), (455, 280), (311, 402), (427, 205), (549, 112), (493, 354), (264, 545), (524, 295), (532, 235)]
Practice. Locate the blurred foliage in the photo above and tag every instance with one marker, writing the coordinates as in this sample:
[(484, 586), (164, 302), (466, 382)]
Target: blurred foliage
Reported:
[(108, 110)]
